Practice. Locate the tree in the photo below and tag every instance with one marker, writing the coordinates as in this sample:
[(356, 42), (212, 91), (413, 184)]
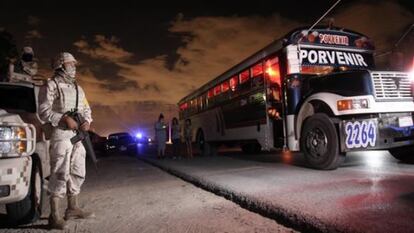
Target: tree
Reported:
[(8, 51)]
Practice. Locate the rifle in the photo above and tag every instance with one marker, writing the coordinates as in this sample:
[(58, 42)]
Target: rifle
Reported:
[(83, 136)]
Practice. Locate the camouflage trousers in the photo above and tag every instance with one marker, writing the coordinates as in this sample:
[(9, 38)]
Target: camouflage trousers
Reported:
[(67, 168)]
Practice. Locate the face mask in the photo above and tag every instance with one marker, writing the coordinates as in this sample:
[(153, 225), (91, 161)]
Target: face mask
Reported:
[(70, 71), (27, 57)]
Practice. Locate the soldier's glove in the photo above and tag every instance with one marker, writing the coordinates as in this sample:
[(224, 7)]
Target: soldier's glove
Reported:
[(85, 126), (69, 122)]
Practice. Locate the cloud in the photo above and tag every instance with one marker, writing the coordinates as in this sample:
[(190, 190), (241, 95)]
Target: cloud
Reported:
[(33, 20), (33, 34), (104, 48)]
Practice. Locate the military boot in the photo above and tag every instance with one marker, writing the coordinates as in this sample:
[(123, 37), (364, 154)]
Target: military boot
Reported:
[(55, 219), (73, 210)]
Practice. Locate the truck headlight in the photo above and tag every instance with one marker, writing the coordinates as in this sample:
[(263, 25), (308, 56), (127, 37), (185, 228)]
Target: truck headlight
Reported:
[(17, 139), (351, 104)]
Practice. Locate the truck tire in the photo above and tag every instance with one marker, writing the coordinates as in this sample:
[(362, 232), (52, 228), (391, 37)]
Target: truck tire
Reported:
[(403, 154), (319, 143), (29, 209)]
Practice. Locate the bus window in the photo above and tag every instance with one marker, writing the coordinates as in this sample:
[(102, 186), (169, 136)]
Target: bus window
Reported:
[(273, 71), (245, 82), (244, 76), (257, 75), (257, 70), (225, 86), (217, 90), (200, 103), (210, 93), (233, 83)]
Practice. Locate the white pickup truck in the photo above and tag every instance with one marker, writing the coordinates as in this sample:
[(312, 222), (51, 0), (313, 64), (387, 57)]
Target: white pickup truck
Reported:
[(24, 153)]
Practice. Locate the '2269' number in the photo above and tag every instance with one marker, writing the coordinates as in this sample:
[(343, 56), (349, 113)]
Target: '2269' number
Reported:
[(360, 134)]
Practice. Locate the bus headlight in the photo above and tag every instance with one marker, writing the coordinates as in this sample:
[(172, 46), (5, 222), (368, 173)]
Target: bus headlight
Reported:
[(17, 140), (351, 104)]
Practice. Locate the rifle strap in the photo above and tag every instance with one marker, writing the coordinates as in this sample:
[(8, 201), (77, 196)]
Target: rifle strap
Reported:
[(77, 97), (57, 87)]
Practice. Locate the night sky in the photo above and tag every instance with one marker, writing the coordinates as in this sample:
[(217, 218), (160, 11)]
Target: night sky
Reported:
[(138, 60)]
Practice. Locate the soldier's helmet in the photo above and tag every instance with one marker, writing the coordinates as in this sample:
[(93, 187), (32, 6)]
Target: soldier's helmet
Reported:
[(27, 50), (63, 58)]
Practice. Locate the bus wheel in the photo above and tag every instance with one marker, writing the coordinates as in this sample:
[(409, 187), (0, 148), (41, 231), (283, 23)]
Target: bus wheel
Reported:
[(403, 154), (202, 145), (319, 143), (29, 209), (251, 148)]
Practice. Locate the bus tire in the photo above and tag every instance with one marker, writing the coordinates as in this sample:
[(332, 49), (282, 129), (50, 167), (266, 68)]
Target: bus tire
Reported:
[(213, 149), (202, 146), (403, 154), (320, 144), (251, 148), (29, 209)]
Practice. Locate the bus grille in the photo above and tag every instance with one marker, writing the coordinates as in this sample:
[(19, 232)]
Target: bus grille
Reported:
[(392, 85)]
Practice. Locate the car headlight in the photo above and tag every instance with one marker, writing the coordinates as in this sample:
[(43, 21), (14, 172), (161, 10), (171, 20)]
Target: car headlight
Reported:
[(17, 139)]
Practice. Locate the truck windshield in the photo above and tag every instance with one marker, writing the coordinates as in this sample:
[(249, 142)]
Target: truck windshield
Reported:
[(17, 98)]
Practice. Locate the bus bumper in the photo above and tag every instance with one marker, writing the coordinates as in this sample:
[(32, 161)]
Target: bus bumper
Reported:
[(376, 132)]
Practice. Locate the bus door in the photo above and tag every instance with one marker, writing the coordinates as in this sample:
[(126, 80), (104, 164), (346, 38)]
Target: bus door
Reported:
[(274, 99)]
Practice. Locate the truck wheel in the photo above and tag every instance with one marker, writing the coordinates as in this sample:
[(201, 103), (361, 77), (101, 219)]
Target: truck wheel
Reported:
[(403, 154), (29, 209), (319, 143)]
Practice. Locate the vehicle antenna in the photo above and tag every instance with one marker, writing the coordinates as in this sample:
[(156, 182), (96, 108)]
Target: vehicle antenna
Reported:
[(323, 16)]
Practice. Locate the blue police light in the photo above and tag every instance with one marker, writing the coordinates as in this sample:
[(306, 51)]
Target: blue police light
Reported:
[(138, 135)]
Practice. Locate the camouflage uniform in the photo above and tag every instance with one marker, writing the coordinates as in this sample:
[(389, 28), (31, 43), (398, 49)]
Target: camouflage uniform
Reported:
[(67, 161)]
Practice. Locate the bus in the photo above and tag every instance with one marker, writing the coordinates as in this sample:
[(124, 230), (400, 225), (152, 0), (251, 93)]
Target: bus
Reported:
[(314, 91)]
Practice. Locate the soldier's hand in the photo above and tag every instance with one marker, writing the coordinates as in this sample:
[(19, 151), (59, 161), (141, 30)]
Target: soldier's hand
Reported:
[(85, 126), (69, 122)]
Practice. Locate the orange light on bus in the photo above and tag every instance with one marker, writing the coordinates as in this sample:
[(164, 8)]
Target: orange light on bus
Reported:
[(272, 72), (350, 104)]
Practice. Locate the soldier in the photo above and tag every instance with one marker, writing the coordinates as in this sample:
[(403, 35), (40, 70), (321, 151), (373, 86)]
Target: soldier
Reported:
[(25, 68), (59, 96)]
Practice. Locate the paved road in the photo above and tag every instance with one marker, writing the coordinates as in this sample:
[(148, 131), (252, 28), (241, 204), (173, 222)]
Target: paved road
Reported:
[(371, 192), (131, 196)]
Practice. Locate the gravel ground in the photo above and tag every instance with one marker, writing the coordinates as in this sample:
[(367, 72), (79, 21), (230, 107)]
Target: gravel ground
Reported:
[(128, 195)]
